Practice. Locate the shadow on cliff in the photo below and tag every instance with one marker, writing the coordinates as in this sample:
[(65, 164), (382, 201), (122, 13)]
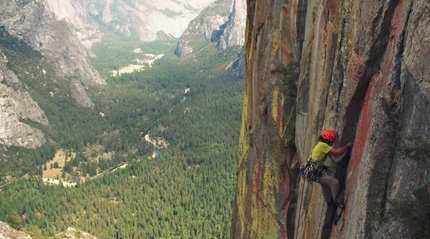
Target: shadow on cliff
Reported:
[(332, 212)]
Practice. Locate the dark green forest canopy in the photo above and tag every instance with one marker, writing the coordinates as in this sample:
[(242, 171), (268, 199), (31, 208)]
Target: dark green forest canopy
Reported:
[(187, 192)]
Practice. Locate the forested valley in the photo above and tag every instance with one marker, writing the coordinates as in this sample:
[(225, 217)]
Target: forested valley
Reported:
[(185, 192)]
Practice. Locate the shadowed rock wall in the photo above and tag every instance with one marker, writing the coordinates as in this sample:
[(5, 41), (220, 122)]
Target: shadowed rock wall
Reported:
[(360, 68)]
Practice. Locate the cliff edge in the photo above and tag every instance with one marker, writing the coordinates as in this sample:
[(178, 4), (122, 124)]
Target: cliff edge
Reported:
[(360, 68)]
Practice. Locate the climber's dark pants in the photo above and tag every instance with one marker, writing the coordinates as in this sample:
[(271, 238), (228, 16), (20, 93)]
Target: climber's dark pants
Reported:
[(330, 187)]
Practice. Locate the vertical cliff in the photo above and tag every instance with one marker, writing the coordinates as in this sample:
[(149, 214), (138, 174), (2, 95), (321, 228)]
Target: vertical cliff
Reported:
[(235, 26), (360, 68), (16, 104)]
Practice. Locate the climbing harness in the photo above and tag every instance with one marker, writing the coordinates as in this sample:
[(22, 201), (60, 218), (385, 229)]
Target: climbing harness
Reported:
[(312, 172)]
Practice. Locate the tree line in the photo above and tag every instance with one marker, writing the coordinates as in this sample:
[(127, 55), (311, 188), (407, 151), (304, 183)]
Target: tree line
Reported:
[(187, 192)]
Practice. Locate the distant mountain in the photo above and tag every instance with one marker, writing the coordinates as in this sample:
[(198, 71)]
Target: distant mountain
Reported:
[(141, 19), (222, 22)]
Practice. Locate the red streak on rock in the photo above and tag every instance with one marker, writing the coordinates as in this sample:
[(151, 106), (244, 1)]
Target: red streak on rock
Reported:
[(284, 186), (399, 16), (284, 233), (363, 130), (355, 68)]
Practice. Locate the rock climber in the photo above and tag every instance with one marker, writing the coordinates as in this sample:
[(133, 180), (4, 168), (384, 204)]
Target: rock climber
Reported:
[(320, 174)]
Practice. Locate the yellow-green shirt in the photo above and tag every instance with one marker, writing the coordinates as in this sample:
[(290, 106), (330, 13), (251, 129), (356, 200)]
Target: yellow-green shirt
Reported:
[(320, 152)]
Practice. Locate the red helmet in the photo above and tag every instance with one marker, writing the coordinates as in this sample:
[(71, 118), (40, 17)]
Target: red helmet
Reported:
[(329, 135)]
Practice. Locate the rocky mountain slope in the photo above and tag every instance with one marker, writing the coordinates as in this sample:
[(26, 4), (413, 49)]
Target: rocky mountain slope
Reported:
[(7, 232), (151, 20), (31, 23), (360, 68), (234, 32), (222, 22), (15, 104)]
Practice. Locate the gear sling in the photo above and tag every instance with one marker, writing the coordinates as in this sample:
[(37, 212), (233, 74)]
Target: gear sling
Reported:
[(312, 172)]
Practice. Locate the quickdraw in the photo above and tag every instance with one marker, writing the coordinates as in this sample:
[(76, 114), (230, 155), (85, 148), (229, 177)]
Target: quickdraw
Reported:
[(312, 172)]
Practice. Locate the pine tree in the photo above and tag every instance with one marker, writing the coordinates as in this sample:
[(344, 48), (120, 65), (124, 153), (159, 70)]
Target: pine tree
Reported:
[(14, 220)]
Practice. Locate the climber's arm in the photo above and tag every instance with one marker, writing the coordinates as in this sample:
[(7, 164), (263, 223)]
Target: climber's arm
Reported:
[(337, 154)]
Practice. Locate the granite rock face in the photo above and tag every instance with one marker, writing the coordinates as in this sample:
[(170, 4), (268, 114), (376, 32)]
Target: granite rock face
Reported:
[(233, 34), (205, 28), (16, 104), (72, 233), (222, 22), (360, 68), (33, 23), (7, 232)]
